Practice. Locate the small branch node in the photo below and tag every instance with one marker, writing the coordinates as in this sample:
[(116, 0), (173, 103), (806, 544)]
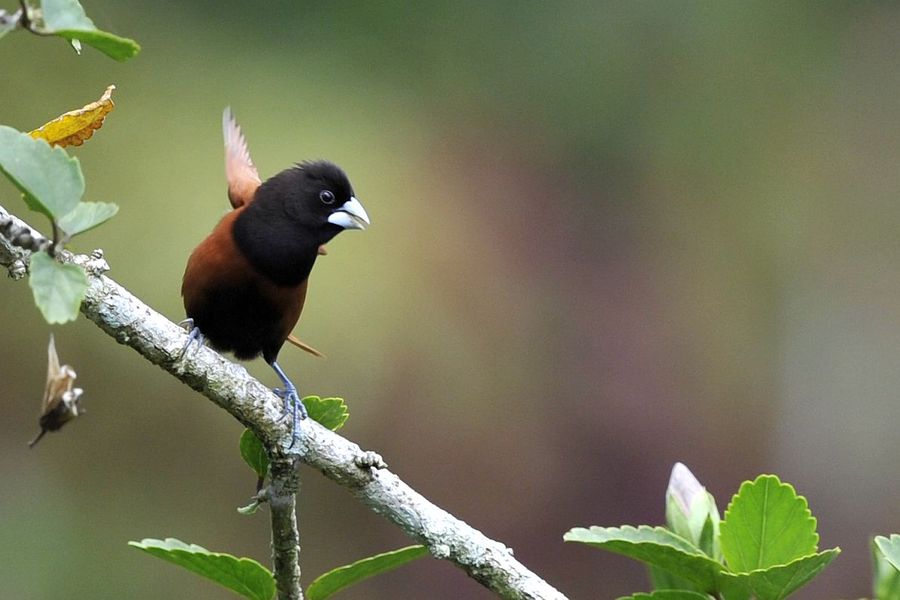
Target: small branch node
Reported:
[(440, 551), (18, 269), (94, 264), (369, 460), (7, 18)]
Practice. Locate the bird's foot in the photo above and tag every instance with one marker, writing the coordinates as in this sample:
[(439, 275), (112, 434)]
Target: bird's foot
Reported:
[(292, 404), (194, 335), (293, 407)]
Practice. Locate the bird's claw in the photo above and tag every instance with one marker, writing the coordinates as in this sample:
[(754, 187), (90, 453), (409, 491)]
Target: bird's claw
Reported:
[(285, 395), (294, 407), (292, 404), (194, 335)]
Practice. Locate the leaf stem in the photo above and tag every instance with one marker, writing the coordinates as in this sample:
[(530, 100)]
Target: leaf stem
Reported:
[(51, 249)]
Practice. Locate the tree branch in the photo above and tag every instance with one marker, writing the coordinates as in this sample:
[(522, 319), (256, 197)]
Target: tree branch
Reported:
[(282, 497), (131, 322)]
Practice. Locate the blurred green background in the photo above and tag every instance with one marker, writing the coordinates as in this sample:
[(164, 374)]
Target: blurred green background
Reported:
[(606, 236)]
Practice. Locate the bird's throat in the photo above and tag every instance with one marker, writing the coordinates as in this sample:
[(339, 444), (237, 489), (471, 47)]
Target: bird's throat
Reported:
[(276, 247)]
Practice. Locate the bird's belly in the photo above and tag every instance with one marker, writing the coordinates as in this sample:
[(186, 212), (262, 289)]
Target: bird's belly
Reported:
[(241, 320), (235, 306)]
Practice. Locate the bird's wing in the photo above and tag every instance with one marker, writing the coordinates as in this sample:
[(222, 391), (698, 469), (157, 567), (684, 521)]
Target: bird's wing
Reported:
[(239, 169)]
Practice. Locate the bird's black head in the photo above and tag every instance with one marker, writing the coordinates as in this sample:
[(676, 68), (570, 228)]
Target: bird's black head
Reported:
[(309, 193), (295, 212)]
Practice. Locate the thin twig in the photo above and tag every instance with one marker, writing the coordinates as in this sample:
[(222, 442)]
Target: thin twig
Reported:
[(131, 322), (282, 498), (14, 19), (27, 23)]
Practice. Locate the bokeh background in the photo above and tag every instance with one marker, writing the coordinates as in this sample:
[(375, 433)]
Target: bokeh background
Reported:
[(607, 236)]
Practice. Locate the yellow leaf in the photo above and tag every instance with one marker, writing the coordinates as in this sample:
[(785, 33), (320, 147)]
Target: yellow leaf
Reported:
[(76, 126)]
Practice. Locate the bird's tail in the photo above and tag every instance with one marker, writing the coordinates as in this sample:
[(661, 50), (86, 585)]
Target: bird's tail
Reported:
[(304, 346)]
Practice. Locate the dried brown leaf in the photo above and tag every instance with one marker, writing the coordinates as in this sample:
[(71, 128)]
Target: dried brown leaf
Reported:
[(62, 401)]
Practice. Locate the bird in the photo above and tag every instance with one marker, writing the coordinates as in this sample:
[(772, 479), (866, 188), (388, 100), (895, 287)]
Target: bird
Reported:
[(245, 284)]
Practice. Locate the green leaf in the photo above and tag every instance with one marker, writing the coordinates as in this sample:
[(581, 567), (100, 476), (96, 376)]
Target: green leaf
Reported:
[(766, 524), (58, 288), (709, 536), (242, 575), (776, 583), (666, 595), (661, 579), (328, 412), (886, 553), (337, 579), (889, 548), (87, 215), (656, 546), (8, 21), (250, 509), (50, 179), (253, 453), (733, 589), (67, 19)]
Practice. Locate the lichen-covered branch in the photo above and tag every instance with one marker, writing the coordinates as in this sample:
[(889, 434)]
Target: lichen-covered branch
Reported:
[(281, 495), (131, 322)]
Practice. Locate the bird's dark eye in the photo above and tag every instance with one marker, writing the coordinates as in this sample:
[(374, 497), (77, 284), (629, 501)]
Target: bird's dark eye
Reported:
[(326, 197)]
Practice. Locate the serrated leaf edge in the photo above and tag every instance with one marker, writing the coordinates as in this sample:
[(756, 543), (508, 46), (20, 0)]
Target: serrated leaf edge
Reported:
[(641, 528), (836, 550), (320, 401), (319, 581), (748, 574), (114, 210), (34, 203), (778, 483), (195, 549), (46, 261)]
